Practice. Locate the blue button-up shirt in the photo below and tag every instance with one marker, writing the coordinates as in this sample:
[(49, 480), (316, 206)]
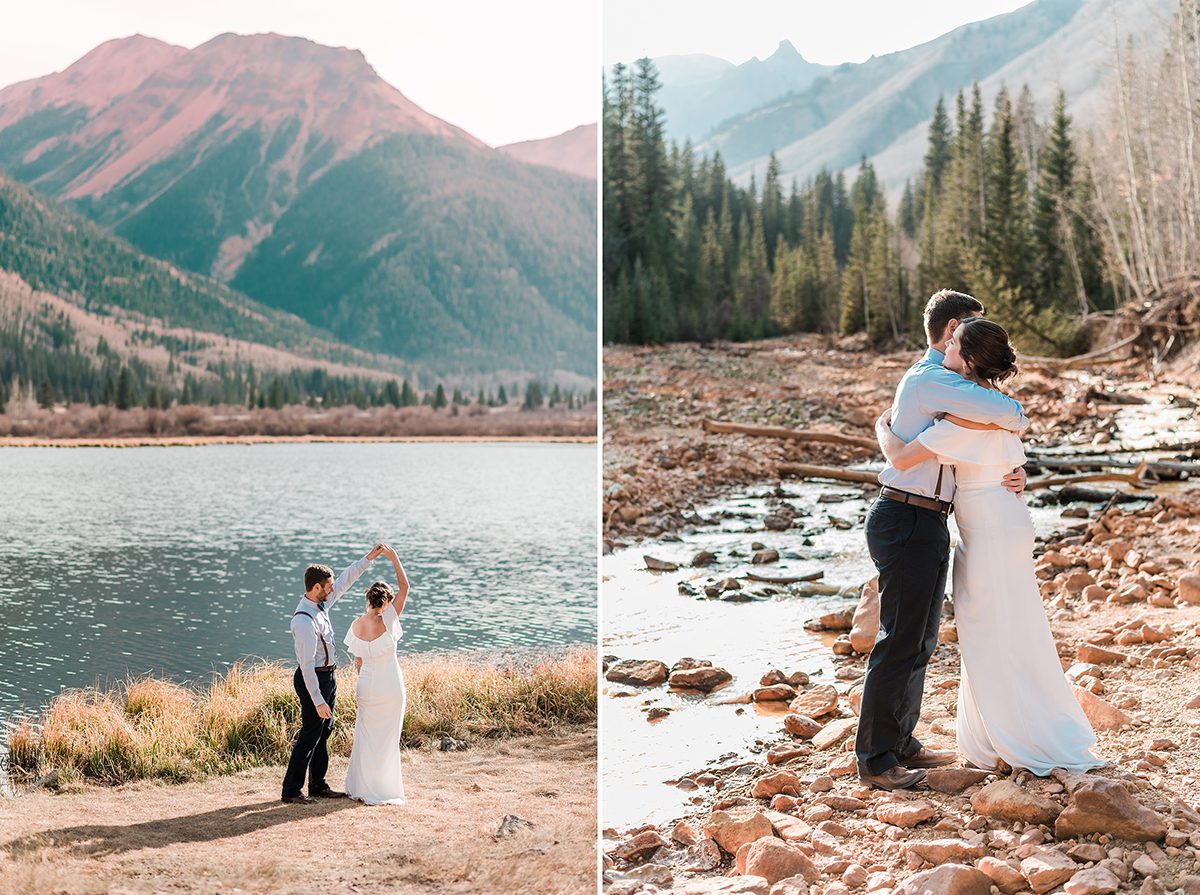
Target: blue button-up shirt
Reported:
[(929, 389), (313, 632)]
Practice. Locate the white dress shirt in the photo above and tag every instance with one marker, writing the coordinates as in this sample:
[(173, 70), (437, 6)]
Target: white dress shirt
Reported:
[(928, 389), (313, 632)]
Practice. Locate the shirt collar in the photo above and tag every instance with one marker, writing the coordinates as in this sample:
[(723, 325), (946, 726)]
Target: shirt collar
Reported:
[(934, 356)]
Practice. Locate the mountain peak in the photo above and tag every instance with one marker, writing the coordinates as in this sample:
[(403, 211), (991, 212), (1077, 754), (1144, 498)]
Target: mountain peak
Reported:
[(786, 50)]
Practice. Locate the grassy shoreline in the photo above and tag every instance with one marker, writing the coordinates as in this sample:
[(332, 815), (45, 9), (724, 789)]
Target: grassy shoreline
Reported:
[(154, 729), (203, 440)]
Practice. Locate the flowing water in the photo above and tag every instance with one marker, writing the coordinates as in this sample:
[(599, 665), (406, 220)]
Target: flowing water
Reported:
[(182, 560)]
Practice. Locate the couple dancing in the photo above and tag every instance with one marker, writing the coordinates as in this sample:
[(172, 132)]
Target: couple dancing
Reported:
[(374, 773), (951, 438)]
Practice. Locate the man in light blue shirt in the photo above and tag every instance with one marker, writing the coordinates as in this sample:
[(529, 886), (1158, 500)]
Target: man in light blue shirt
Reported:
[(909, 542)]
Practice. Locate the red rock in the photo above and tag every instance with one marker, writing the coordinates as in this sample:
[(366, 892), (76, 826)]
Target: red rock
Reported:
[(706, 679), (1004, 800), (773, 784), (638, 672), (1098, 655), (834, 733), (785, 753), (639, 847), (1006, 875), (793, 885), (789, 827), (865, 626), (905, 814), (775, 693), (801, 726), (728, 885), (1102, 715), (815, 702), (952, 781), (1189, 588), (773, 860), (1105, 806), (949, 879), (1092, 881), (944, 851), (732, 830), (1047, 868)]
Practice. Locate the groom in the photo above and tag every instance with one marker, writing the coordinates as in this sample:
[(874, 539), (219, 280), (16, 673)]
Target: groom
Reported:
[(315, 681), (909, 543)]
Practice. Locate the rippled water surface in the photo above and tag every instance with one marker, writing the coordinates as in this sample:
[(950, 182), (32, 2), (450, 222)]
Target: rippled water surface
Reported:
[(179, 560)]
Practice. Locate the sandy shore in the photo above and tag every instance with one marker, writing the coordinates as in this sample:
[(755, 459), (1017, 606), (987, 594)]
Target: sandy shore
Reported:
[(232, 835)]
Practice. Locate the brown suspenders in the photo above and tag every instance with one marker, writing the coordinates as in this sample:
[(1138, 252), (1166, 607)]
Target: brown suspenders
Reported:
[(325, 646)]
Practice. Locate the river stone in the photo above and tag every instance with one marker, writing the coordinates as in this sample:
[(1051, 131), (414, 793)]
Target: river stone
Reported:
[(1103, 715), (1189, 588), (733, 830), (952, 781), (775, 693), (949, 879), (1098, 655), (640, 847), (865, 626), (1087, 851), (1105, 806), (944, 851), (1004, 800), (728, 885), (773, 860), (705, 679), (784, 753), (1006, 875), (659, 565), (1047, 868), (801, 726), (820, 700), (639, 672), (773, 784), (798, 885), (1092, 881), (834, 733), (789, 827), (905, 814)]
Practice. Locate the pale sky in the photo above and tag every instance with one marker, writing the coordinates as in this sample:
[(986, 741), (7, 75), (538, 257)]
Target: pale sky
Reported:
[(825, 32), (503, 71)]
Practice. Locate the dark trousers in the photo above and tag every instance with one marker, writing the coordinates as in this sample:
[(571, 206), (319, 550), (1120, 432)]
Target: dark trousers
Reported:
[(310, 754), (911, 550)]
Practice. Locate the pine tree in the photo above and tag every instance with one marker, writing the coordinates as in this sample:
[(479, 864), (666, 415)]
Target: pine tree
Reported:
[(439, 397), (126, 393)]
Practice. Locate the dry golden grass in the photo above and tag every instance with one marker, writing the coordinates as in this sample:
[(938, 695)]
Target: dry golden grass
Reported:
[(248, 717)]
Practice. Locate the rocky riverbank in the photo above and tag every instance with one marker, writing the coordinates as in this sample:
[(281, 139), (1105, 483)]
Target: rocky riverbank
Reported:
[(786, 814), (1123, 596)]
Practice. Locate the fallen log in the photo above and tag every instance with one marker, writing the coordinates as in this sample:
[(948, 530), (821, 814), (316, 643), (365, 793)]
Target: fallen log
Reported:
[(1080, 358), (789, 579), (1130, 478), (723, 427), (1162, 468), (806, 471)]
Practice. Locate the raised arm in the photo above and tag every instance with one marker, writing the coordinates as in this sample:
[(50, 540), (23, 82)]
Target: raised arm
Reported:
[(944, 391), (350, 574), (401, 579), (901, 454)]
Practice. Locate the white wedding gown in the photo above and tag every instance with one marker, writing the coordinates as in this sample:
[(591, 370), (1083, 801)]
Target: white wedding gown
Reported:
[(374, 774), (1014, 702)]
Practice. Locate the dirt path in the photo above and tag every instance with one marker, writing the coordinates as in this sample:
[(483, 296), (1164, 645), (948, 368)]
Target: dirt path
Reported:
[(232, 834)]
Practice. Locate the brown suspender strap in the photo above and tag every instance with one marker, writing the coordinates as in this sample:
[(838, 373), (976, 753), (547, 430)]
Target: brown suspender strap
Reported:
[(937, 489), (325, 646)]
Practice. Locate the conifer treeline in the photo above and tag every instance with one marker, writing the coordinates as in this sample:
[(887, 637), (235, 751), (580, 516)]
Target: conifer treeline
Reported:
[(41, 359), (996, 211)]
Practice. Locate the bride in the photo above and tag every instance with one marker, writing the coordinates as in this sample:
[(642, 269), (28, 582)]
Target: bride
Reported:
[(374, 773), (1014, 703)]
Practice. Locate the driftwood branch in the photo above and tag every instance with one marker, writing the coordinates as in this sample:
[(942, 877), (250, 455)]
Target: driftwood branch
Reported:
[(791, 579), (1130, 478), (806, 471), (1081, 358), (721, 427)]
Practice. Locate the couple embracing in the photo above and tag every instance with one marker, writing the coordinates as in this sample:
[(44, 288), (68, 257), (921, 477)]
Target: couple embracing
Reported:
[(952, 442), (374, 774)]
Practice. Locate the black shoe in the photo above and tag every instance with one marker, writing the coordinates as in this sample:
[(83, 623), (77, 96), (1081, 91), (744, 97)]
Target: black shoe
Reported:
[(328, 794), (298, 800)]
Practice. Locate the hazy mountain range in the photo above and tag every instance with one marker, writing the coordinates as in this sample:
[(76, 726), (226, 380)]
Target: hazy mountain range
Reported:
[(817, 117), (292, 172)]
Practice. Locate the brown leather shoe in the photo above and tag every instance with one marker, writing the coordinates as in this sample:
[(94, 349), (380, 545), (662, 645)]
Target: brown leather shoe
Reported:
[(329, 794), (893, 778), (931, 758), (298, 800)]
